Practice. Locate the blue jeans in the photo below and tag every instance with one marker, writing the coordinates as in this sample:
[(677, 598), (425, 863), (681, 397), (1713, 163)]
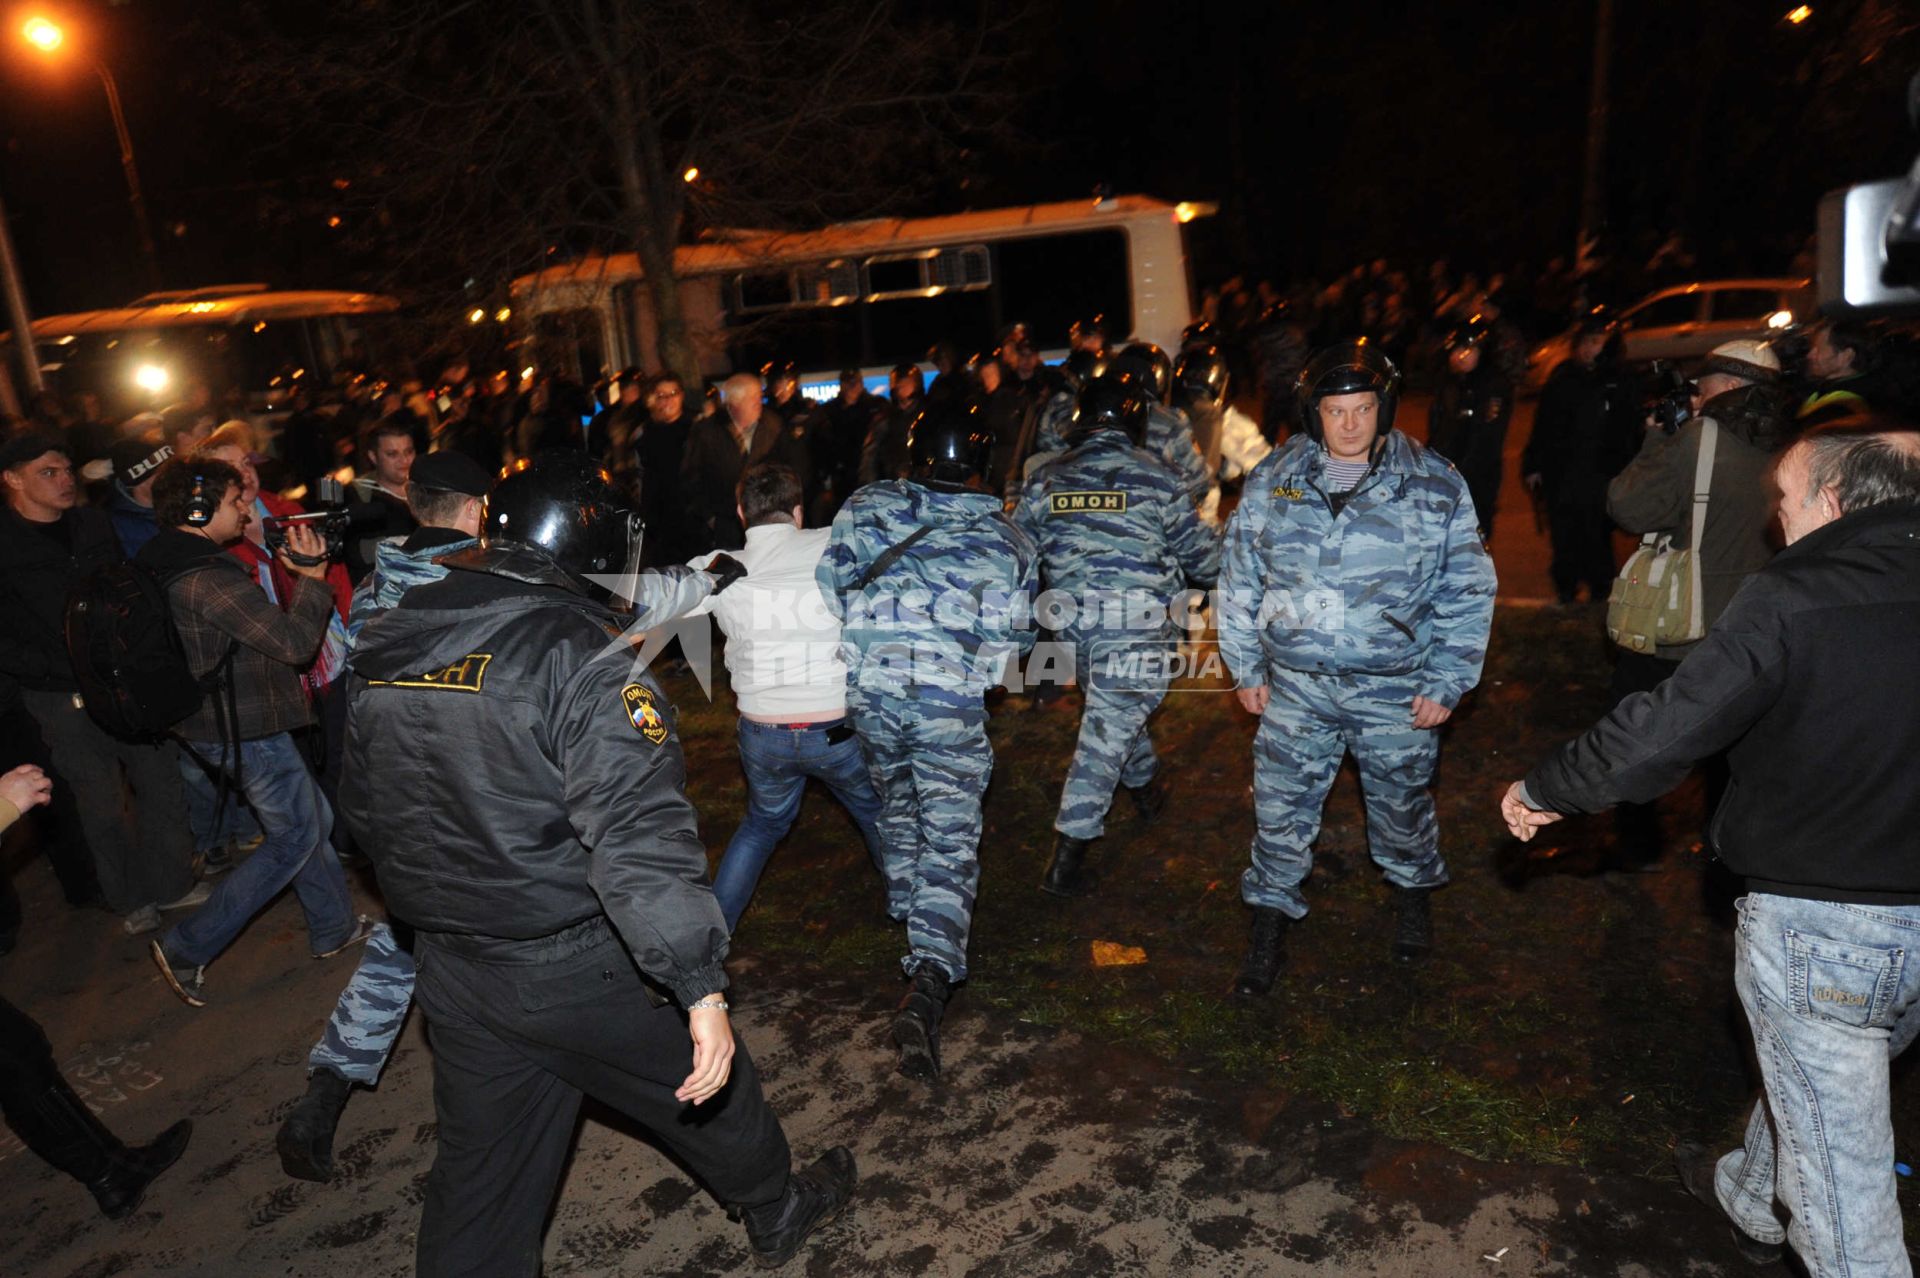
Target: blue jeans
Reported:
[(234, 824), (294, 819), (778, 762), (1831, 1000)]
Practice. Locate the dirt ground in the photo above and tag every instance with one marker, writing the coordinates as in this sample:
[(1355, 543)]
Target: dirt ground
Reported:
[(1506, 1109)]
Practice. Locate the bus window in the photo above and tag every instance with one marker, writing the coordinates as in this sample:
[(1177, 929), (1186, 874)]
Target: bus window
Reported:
[(1050, 281), (902, 330), (755, 291)]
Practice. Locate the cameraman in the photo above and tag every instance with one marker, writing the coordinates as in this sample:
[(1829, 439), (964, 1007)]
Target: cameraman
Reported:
[(1739, 390), (225, 619)]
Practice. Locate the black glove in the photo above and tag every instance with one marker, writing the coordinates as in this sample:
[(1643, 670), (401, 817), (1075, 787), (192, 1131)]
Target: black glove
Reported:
[(725, 570)]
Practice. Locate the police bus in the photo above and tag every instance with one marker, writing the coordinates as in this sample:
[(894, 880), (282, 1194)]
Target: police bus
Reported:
[(876, 293), (248, 338)]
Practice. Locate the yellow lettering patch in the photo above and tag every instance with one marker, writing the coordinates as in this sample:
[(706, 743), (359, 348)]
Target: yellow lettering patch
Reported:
[(464, 675), (642, 713), (1291, 494), (1087, 503)]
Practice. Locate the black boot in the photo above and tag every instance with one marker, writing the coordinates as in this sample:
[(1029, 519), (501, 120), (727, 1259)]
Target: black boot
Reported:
[(1695, 1165), (1413, 929), (60, 1128), (814, 1197), (1266, 951), (1067, 874), (1148, 799), (305, 1141), (916, 1028)]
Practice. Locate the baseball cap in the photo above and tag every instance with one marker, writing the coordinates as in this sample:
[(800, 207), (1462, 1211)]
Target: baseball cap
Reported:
[(450, 472), (22, 447)]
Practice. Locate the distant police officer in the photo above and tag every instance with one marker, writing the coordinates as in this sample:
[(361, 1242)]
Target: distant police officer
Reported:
[(923, 574), (1468, 421), (521, 790), (1354, 607), (1169, 434), (1116, 533)]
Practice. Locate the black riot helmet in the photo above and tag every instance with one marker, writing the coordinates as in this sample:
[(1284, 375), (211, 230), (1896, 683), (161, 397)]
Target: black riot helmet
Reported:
[(562, 507), (1088, 330), (1200, 378), (778, 371), (1082, 366), (1109, 402), (1347, 368), (1199, 333), (949, 443), (1149, 365)]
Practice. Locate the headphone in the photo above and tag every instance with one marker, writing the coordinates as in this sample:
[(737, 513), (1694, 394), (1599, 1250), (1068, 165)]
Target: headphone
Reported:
[(200, 507)]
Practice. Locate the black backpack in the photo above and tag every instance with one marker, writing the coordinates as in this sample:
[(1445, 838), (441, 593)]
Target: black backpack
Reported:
[(127, 656)]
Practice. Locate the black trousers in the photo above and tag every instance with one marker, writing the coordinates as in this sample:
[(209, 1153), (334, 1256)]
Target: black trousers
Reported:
[(26, 1062), (1582, 538), (517, 1040)]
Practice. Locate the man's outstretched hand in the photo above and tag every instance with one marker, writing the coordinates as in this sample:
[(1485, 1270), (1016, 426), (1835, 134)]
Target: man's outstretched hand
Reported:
[(1522, 821)]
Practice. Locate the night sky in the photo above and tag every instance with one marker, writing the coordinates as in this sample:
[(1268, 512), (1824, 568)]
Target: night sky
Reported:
[(1328, 133)]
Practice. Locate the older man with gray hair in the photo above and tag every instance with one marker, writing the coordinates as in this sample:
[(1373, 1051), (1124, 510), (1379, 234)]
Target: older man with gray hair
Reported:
[(1808, 680), (719, 450)]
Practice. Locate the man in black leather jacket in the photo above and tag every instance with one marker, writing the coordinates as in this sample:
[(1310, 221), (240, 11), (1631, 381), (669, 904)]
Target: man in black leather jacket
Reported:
[(519, 784)]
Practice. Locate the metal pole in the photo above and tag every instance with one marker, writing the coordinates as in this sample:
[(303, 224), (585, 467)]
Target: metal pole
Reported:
[(140, 226), (17, 315), (1592, 192)]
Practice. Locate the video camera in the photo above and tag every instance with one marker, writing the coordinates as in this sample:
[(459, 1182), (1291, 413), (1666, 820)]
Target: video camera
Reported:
[(331, 521), (1869, 241), (1670, 403)]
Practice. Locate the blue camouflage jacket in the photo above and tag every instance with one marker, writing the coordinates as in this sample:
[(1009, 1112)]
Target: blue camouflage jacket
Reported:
[(1397, 583), (1169, 437), (1111, 519), (943, 618)]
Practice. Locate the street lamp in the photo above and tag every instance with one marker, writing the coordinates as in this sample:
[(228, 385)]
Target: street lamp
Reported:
[(49, 37)]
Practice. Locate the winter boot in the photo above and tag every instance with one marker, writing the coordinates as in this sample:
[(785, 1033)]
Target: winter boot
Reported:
[(916, 1028), (1067, 874), (305, 1141), (59, 1127), (1413, 929), (1148, 799), (1266, 951), (813, 1197)]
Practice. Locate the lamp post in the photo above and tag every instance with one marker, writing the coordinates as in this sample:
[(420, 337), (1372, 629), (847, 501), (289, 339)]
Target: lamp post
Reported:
[(49, 37)]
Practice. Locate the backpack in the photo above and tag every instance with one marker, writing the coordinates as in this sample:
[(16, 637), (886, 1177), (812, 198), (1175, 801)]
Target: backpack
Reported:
[(127, 656)]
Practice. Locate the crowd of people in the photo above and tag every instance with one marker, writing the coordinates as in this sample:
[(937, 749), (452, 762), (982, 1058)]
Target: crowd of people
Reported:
[(444, 656)]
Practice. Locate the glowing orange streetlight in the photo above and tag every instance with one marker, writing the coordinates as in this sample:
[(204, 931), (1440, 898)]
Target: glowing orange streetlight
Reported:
[(1799, 14), (48, 37), (43, 34), (692, 174)]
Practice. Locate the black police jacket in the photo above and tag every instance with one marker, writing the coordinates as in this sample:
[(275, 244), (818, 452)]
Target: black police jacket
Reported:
[(1809, 676), (512, 774)]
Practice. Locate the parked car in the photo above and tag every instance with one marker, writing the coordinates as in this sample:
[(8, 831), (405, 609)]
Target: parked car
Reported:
[(1686, 321)]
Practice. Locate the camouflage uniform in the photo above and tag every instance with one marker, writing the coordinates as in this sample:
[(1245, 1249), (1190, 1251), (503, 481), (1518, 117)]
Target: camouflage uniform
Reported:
[(923, 642), (1169, 437), (366, 1021), (1115, 531), (1346, 618)]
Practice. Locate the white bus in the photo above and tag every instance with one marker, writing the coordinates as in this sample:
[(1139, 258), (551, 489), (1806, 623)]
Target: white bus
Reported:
[(244, 337), (877, 293)]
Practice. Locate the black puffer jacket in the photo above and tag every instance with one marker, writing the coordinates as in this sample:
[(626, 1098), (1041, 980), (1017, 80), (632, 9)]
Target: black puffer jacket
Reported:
[(37, 571), (513, 774), (1809, 676)]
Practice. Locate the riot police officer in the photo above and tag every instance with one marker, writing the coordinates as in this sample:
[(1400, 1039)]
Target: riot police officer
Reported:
[(1467, 423), (1169, 435), (924, 574), (1354, 605), (1118, 535), (519, 785)]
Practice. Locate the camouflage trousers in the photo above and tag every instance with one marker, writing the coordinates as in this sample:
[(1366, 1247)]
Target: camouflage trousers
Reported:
[(1114, 747), (365, 1022), (930, 761), (1311, 721)]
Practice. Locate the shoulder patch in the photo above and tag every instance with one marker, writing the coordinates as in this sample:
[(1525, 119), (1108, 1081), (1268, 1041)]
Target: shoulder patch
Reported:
[(637, 701), (1081, 503), (464, 675)]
